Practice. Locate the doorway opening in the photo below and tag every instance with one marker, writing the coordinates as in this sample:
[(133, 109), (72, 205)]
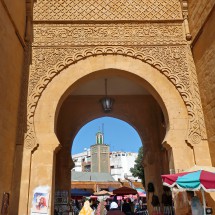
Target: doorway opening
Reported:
[(133, 105)]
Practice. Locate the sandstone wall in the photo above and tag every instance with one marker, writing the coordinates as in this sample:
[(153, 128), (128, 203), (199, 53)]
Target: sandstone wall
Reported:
[(198, 14), (202, 21), (12, 27)]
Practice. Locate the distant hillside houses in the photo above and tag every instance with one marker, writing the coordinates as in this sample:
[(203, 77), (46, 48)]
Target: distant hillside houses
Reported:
[(120, 164)]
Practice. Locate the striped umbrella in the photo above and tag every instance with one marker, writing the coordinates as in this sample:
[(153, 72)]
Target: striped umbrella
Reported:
[(191, 180), (197, 180), (141, 192)]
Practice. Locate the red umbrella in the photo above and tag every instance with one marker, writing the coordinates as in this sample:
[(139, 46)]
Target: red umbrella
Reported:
[(170, 179), (191, 180), (124, 191), (197, 180)]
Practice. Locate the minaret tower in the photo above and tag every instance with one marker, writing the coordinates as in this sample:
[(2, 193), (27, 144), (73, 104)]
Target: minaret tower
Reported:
[(99, 138), (100, 155)]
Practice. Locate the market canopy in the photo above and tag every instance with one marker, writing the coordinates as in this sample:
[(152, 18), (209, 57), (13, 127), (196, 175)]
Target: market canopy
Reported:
[(141, 192), (124, 191), (103, 193), (80, 192), (191, 180), (197, 180)]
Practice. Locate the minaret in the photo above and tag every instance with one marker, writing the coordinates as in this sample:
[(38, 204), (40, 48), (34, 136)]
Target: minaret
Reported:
[(100, 155), (99, 138)]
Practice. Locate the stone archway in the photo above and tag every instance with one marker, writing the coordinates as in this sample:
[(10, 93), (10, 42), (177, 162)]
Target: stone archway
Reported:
[(140, 111), (44, 106)]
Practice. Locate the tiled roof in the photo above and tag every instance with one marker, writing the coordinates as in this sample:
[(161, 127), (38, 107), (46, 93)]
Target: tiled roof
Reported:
[(91, 176)]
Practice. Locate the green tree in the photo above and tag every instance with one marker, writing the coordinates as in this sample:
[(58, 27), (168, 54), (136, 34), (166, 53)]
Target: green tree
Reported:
[(138, 170)]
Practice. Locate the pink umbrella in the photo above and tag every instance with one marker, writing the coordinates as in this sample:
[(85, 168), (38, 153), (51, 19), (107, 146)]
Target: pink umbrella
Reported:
[(141, 194), (197, 180), (170, 179), (191, 180)]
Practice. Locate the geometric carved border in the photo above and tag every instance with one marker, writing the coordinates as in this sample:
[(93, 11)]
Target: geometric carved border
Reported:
[(109, 34), (195, 134), (97, 10)]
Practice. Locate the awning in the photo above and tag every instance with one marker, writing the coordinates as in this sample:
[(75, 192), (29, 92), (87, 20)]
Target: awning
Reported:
[(80, 192)]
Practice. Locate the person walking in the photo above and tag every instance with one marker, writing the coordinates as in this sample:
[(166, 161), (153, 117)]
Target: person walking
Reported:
[(86, 210), (195, 204), (101, 209), (114, 209)]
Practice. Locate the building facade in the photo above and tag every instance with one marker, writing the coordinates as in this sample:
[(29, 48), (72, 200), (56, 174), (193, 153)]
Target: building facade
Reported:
[(82, 161), (121, 163), (50, 50)]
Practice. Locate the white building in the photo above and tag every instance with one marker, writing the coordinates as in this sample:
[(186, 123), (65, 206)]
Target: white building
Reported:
[(120, 164), (80, 159)]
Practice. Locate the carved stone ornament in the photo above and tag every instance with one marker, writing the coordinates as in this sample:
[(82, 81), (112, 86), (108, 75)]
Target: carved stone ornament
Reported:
[(169, 60), (152, 31), (53, 10), (108, 34)]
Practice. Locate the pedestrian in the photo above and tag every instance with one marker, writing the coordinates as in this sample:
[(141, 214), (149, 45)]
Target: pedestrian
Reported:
[(101, 210), (126, 207), (114, 209), (86, 210), (195, 204)]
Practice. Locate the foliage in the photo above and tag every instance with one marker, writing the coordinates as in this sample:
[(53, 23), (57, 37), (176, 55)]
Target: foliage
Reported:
[(138, 170)]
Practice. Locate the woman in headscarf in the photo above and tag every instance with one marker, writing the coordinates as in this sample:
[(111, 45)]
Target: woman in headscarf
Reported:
[(86, 210)]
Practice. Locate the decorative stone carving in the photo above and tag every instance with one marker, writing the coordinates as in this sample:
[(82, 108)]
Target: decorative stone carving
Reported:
[(184, 5), (108, 34), (197, 122), (170, 60), (107, 10), (161, 44), (46, 58)]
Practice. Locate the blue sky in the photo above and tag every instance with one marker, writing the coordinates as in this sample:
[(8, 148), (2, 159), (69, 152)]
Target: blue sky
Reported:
[(117, 133)]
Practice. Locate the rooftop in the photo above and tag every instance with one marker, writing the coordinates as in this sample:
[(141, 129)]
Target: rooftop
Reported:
[(91, 176)]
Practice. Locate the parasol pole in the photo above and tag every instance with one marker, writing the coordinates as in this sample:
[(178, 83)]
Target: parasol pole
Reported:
[(203, 199)]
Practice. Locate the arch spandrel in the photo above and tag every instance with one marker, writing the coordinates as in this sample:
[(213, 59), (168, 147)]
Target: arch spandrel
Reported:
[(183, 82), (156, 80)]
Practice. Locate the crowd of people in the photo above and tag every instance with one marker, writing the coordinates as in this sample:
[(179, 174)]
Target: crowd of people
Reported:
[(108, 207), (128, 206)]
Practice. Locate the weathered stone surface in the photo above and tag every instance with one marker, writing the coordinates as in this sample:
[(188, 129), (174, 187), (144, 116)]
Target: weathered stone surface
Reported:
[(198, 14), (75, 40), (204, 52), (107, 10), (11, 63)]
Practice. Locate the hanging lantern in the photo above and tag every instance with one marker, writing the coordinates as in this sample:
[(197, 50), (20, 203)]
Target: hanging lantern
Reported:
[(107, 102)]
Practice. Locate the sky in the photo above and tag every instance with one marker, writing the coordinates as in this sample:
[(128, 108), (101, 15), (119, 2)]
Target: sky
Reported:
[(117, 133)]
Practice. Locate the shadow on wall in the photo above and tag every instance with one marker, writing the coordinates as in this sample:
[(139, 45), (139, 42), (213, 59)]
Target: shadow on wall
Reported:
[(209, 201)]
